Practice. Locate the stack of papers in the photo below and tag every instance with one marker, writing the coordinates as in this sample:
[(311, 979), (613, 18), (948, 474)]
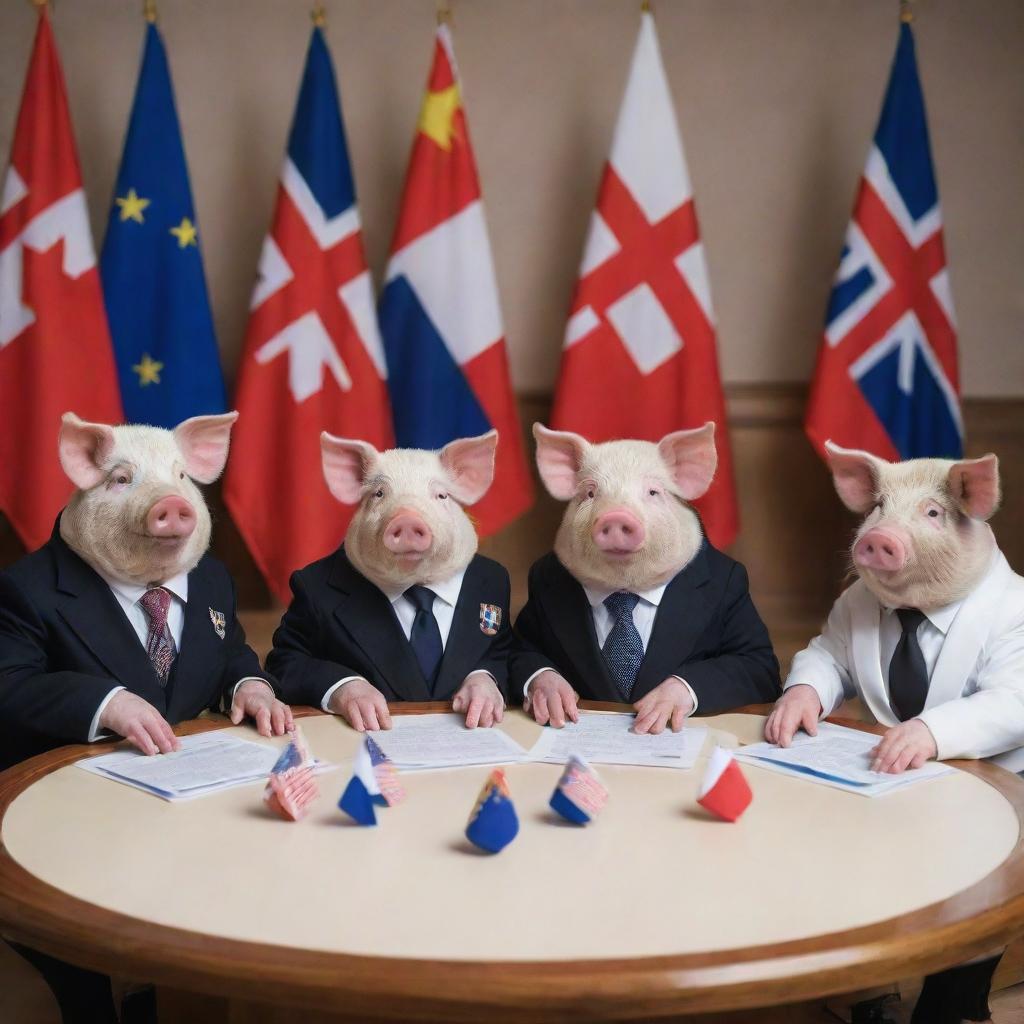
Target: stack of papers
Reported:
[(836, 757), (417, 742), (607, 738)]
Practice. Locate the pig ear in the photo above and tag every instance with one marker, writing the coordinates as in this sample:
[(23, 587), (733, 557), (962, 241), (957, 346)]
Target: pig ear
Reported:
[(856, 476), (84, 448), (469, 463), (560, 457), (974, 483), (204, 441), (691, 459), (347, 464)]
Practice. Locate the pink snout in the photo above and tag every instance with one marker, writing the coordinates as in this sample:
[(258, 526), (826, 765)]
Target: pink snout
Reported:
[(618, 532), (171, 517), (407, 534), (883, 549)]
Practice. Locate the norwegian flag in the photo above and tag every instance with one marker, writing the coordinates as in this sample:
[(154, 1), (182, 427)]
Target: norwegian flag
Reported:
[(887, 379), (55, 351), (640, 358), (312, 358), (439, 312)]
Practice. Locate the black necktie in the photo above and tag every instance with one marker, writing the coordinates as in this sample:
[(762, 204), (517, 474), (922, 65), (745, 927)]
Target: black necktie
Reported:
[(908, 673), (425, 636)]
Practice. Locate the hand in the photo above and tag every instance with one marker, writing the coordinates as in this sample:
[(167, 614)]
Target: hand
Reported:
[(798, 708), (668, 701), (138, 722), (907, 745), (256, 699), (361, 705), (481, 699), (550, 698)]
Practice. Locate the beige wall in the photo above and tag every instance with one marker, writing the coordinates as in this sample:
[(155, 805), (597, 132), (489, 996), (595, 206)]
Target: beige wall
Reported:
[(777, 101)]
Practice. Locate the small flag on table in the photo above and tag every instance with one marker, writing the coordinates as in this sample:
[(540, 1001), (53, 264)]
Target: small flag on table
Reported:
[(493, 823), (725, 791), (291, 788), (374, 781), (580, 794)]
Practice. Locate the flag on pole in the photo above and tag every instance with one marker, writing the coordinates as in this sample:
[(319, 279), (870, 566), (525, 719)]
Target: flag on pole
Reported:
[(887, 379), (439, 314), (312, 358), (639, 357), (152, 267), (55, 352)]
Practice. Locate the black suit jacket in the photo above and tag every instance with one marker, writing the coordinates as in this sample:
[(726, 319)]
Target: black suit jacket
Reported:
[(707, 631), (65, 643), (340, 624)]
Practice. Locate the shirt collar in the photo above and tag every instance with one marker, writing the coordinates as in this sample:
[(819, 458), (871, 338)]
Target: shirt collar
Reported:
[(941, 618), (132, 592), (596, 595), (447, 590)]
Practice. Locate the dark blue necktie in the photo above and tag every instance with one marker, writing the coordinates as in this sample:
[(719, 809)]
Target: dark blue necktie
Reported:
[(623, 650), (425, 636), (908, 671)]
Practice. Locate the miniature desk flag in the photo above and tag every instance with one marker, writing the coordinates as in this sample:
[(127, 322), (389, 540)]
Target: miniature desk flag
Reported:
[(292, 788), (580, 794), (725, 791), (493, 823), (374, 781)]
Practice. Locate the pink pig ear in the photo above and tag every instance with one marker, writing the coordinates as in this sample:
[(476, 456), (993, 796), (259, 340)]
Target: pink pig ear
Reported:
[(974, 483), (856, 476), (691, 459), (84, 448), (204, 441), (469, 463), (346, 464), (560, 457)]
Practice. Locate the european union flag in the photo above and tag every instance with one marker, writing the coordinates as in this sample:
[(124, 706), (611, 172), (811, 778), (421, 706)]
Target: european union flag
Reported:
[(152, 268)]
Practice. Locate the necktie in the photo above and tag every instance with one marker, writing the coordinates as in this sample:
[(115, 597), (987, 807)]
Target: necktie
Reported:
[(156, 603), (908, 673), (425, 636), (623, 650)]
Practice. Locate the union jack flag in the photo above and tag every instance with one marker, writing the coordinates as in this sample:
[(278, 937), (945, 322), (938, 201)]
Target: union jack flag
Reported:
[(887, 379)]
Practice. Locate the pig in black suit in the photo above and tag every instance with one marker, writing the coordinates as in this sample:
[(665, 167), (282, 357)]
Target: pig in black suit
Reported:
[(706, 631), (340, 624)]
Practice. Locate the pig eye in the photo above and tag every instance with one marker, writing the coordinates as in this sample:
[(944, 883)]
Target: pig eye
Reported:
[(590, 492), (654, 492), (181, 476), (933, 512), (379, 493), (442, 496)]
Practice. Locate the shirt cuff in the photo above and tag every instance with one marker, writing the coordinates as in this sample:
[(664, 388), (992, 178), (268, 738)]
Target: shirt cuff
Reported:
[(526, 685), (324, 704), (693, 696), (94, 727)]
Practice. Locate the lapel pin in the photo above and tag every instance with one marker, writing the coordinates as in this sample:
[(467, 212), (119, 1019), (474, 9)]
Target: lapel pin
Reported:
[(219, 623), (490, 618)]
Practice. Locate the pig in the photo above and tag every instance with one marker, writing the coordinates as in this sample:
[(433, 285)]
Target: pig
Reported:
[(84, 650), (634, 604), (405, 609)]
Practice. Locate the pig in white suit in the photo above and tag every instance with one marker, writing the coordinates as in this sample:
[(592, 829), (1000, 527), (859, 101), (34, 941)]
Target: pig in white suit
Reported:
[(974, 651)]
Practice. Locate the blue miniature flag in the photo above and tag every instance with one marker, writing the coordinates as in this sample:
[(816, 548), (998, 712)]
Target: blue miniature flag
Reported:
[(580, 794), (357, 802), (389, 790), (152, 269), (374, 781), (493, 823)]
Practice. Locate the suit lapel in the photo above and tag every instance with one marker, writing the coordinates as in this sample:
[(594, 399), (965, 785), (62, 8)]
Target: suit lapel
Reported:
[(866, 653), (366, 615), (467, 642), (199, 648)]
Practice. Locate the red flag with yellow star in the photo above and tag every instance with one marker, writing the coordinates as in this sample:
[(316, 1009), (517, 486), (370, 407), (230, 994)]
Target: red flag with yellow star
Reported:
[(55, 352)]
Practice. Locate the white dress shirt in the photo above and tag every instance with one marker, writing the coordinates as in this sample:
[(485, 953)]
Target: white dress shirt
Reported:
[(446, 597), (644, 614)]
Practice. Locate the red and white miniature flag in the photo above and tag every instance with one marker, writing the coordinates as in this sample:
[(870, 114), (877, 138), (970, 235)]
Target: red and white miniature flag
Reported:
[(639, 358), (725, 791), (55, 351)]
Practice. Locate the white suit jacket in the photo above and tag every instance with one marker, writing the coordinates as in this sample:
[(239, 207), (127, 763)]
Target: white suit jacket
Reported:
[(975, 704)]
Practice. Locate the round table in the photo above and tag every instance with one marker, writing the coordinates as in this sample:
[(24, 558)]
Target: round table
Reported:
[(654, 911)]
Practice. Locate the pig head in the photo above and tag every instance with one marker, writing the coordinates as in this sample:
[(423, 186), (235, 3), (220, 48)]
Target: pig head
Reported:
[(627, 524), (410, 526), (924, 542), (137, 515)]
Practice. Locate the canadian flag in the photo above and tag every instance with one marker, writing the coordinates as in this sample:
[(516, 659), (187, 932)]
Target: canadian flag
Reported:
[(725, 791), (639, 357), (55, 351)]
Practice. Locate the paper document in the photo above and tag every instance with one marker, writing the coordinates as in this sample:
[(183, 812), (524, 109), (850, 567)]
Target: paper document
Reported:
[(443, 741), (605, 738), (206, 763), (837, 757)]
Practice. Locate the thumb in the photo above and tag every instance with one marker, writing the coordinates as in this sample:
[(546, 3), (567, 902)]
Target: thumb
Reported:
[(237, 712), (811, 722)]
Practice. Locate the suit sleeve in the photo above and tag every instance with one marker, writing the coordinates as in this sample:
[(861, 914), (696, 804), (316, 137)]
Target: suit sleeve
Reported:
[(242, 661), (303, 677), (495, 660), (744, 669), (527, 655), (58, 704), (825, 662)]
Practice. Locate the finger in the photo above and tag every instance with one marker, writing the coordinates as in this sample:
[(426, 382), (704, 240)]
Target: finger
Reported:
[(368, 709), (555, 710), (169, 733), (138, 737), (383, 714), (262, 717), (159, 732), (540, 708), (289, 718), (487, 715), (809, 721), (661, 714), (786, 727), (236, 711), (355, 719), (902, 763), (678, 718), (643, 724), (920, 759), (892, 757), (769, 728), (499, 713), (476, 705), (277, 718), (459, 701), (569, 704)]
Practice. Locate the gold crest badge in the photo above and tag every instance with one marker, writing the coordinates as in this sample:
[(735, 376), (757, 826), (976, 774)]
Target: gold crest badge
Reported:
[(490, 619), (219, 623)]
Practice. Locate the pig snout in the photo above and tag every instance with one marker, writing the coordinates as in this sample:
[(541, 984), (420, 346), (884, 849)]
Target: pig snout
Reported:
[(618, 532), (171, 518), (884, 549), (407, 534)]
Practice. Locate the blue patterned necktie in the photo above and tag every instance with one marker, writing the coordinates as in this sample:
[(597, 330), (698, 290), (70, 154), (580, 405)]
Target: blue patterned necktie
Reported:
[(425, 635), (623, 650)]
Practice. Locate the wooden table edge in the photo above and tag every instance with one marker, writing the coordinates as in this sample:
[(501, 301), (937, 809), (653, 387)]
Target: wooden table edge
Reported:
[(966, 924)]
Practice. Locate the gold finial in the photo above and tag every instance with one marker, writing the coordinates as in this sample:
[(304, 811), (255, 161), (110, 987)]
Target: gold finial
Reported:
[(906, 11), (645, 6), (149, 11), (39, 3), (319, 15), (444, 12)]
